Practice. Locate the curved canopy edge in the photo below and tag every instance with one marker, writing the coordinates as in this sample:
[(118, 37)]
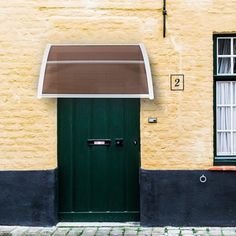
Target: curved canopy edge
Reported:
[(95, 71)]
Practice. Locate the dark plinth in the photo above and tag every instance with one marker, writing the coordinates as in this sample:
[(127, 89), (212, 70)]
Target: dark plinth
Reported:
[(178, 198), (28, 198)]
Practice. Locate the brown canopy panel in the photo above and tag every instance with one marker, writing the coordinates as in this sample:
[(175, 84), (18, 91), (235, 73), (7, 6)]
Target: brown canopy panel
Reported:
[(95, 71)]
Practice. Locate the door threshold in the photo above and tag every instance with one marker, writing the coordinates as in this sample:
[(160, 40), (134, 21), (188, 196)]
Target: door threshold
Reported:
[(98, 224)]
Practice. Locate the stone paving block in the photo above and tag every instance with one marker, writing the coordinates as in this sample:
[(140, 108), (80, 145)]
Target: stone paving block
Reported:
[(216, 234), (172, 234), (61, 232), (76, 231), (90, 231), (227, 234), (228, 231), (201, 231), (215, 231), (187, 234), (117, 231), (187, 231), (173, 231), (130, 231), (144, 231), (131, 234), (33, 231), (193, 230), (144, 234), (159, 230), (201, 234), (103, 231), (18, 231), (6, 229), (46, 231)]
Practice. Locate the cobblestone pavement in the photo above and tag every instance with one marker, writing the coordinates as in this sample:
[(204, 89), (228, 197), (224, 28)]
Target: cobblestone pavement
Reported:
[(117, 231)]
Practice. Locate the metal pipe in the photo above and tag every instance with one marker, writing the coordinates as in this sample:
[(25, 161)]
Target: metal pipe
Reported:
[(164, 13)]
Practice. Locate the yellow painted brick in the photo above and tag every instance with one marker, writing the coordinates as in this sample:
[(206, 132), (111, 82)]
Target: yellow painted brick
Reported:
[(183, 136)]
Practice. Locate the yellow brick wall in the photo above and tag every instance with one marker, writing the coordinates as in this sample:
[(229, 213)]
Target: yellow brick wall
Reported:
[(183, 136)]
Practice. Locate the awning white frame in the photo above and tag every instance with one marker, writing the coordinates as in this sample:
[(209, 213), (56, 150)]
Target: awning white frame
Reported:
[(45, 61)]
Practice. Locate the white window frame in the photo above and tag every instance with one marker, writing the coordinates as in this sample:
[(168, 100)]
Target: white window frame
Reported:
[(221, 77), (231, 105)]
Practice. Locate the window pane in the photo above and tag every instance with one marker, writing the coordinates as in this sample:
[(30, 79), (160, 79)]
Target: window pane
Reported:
[(234, 46), (224, 47), (223, 118), (223, 143), (224, 65), (234, 118), (234, 65), (223, 93), (234, 93), (234, 143)]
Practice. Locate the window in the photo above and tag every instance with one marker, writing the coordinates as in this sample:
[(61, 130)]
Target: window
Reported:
[(225, 99)]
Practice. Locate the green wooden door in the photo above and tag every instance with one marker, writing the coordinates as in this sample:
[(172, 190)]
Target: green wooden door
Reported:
[(98, 182)]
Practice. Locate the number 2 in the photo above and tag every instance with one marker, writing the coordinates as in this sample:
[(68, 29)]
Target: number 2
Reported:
[(177, 81)]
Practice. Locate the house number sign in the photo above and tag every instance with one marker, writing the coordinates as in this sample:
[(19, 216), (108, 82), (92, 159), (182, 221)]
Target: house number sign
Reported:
[(177, 82)]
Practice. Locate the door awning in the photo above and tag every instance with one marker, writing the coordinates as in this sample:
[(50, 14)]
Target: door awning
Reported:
[(95, 71)]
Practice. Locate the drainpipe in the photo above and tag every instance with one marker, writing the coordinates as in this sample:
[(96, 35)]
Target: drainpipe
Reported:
[(164, 13)]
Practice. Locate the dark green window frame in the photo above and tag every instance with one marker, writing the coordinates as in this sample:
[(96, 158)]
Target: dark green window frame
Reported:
[(220, 160)]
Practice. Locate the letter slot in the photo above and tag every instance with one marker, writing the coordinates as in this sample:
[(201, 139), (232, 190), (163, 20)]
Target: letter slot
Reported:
[(99, 142)]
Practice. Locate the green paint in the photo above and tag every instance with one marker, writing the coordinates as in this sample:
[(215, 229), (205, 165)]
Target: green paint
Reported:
[(225, 160), (98, 183)]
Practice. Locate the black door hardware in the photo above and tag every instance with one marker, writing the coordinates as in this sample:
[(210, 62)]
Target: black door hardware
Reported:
[(119, 142)]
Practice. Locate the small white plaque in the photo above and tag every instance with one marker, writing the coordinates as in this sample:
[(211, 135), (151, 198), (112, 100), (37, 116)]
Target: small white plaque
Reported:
[(177, 82)]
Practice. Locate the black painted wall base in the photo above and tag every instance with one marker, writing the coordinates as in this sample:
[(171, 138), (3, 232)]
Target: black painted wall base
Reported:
[(171, 197), (28, 198), (178, 198)]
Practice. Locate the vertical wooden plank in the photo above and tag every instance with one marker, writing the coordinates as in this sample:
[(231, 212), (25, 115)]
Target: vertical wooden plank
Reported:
[(99, 155), (116, 194), (82, 124), (65, 154), (132, 133)]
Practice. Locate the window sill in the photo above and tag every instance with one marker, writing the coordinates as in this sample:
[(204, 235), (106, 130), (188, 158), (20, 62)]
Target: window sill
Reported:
[(222, 168)]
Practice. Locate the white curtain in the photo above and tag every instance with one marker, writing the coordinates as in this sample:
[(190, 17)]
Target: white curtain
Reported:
[(224, 65), (224, 46), (226, 117)]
